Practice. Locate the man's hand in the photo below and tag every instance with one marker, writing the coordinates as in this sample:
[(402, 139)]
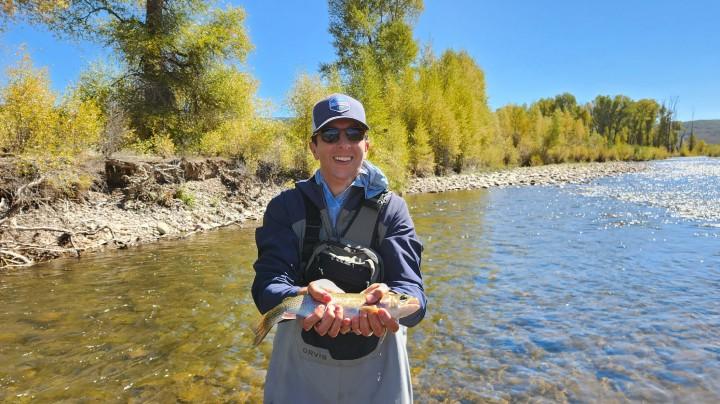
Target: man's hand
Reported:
[(374, 322), (327, 318)]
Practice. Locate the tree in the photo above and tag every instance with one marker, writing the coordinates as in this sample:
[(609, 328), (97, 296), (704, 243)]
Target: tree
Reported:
[(307, 90), (667, 128), (463, 85), (609, 115), (39, 10), (421, 155), (513, 122), (32, 122), (642, 116), (380, 28), (176, 80), (692, 141), (564, 102), (440, 120)]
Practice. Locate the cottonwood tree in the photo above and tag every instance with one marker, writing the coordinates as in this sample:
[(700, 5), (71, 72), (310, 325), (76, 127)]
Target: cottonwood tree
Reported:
[(380, 29), (180, 75)]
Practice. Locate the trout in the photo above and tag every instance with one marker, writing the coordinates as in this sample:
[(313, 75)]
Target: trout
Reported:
[(398, 305)]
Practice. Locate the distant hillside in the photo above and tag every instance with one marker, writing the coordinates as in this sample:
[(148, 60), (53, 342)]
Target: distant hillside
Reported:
[(707, 130)]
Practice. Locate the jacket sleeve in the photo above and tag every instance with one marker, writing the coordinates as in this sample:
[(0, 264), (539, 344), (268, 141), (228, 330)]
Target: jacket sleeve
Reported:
[(401, 252), (276, 268)]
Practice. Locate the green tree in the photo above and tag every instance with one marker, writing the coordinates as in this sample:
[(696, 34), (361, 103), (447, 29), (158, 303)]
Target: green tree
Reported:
[(642, 117), (421, 155), (33, 122), (306, 91), (379, 28), (667, 129), (513, 122), (463, 86), (440, 120), (37, 10), (177, 80), (562, 102), (609, 115)]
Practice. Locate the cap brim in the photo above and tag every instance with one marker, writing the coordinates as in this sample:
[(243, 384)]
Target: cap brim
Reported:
[(327, 121)]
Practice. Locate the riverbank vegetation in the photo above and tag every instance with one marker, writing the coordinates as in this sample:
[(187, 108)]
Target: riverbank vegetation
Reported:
[(181, 87)]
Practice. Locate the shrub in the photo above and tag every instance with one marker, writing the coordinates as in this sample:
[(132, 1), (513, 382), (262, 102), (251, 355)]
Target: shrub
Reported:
[(186, 196), (31, 123)]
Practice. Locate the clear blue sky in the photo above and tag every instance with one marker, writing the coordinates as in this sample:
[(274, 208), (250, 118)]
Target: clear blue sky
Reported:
[(528, 49)]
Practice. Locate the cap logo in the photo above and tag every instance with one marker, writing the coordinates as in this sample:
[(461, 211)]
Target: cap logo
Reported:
[(339, 104)]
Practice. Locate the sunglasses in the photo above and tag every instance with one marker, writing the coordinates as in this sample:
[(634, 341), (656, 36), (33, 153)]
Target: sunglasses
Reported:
[(332, 135)]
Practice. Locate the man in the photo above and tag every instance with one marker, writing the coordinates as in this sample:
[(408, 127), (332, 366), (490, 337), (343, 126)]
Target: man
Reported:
[(327, 357)]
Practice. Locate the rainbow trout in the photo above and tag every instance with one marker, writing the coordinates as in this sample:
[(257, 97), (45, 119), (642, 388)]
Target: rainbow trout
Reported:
[(398, 305)]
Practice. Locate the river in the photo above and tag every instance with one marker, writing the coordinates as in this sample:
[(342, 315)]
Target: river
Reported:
[(607, 291)]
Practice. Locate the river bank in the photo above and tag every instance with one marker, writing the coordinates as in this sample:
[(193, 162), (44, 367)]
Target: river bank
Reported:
[(141, 203), (522, 176)]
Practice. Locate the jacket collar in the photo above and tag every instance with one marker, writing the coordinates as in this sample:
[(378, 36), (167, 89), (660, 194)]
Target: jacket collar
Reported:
[(371, 179)]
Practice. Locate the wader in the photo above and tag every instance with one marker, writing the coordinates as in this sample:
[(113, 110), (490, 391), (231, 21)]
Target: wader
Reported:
[(308, 368)]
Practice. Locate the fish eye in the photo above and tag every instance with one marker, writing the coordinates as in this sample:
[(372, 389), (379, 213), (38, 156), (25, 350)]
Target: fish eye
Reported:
[(403, 297)]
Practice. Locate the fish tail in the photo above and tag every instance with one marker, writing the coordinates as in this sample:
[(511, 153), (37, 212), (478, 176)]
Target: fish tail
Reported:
[(266, 323), (272, 317)]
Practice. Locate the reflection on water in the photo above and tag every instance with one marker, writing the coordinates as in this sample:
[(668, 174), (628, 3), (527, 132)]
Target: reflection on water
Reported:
[(570, 295), (162, 323), (567, 294)]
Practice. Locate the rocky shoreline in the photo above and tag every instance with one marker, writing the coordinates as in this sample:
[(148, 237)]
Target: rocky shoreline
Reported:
[(555, 174), (147, 203)]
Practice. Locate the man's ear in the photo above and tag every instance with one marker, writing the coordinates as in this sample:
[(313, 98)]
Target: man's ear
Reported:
[(313, 149)]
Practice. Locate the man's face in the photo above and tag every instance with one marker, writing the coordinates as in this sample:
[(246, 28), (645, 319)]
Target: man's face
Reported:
[(340, 161)]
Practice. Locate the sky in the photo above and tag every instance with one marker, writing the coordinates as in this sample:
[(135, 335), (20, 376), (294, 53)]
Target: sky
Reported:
[(528, 50)]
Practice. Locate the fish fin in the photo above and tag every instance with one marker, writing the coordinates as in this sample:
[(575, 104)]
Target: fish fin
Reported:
[(272, 317), (266, 323), (288, 316)]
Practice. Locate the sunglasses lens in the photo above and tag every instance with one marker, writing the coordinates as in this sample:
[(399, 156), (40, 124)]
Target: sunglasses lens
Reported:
[(355, 134), (330, 135)]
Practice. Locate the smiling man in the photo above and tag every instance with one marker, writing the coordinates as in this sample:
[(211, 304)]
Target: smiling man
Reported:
[(341, 231)]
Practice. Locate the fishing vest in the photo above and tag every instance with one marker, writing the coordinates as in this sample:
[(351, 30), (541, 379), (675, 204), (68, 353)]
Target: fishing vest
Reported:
[(349, 259)]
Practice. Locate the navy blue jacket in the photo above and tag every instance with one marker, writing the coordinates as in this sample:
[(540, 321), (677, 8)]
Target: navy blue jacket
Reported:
[(278, 269)]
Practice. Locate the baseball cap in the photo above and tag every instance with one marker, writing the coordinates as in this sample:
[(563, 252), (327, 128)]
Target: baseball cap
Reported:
[(337, 106)]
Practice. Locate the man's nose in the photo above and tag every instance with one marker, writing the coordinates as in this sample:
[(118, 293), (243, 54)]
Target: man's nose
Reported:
[(343, 139)]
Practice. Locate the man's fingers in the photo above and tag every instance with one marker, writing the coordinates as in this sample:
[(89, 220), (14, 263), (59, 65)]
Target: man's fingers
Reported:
[(310, 321), (355, 325), (337, 323), (377, 328), (346, 326), (364, 324), (327, 320), (387, 321), (320, 290), (319, 294), (375, 292)]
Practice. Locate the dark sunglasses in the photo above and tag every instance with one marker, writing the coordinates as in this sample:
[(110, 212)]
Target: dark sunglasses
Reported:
[(332, 135)]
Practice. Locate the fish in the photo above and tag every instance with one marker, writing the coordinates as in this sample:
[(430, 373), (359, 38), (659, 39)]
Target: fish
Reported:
[(398, 305)]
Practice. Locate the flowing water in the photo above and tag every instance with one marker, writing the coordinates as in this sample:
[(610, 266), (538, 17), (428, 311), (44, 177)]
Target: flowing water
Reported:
[(608, 291)]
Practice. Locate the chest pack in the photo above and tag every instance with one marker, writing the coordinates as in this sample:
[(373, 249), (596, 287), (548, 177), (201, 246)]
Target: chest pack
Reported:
[(348, 259)]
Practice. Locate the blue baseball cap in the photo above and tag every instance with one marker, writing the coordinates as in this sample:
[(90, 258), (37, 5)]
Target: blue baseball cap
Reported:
[(338, 106)]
